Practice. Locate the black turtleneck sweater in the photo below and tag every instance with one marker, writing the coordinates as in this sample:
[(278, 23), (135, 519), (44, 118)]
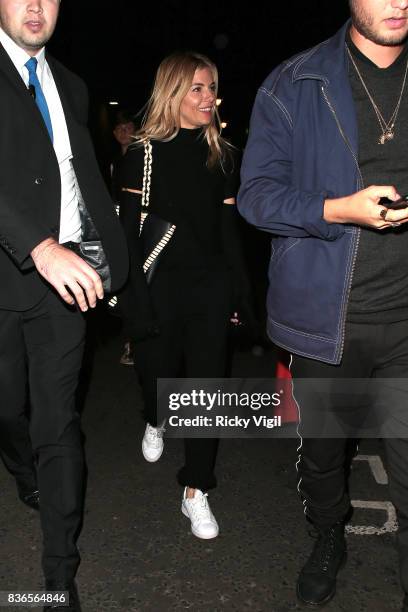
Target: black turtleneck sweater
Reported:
[(380, 281), (185, 191)]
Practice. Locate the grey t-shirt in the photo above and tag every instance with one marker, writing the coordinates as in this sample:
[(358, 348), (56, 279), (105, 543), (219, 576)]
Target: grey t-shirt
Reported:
[(380, 281)]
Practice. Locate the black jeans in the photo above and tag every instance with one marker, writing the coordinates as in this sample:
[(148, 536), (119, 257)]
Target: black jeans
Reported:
[(370, 351), (40, 358), (193, 311)]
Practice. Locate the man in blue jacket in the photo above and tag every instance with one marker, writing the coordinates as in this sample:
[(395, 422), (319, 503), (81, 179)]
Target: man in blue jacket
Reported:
[(327, 142)]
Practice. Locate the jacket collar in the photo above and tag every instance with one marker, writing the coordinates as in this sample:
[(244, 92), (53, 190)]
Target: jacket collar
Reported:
[(326, 60), (328, 63)]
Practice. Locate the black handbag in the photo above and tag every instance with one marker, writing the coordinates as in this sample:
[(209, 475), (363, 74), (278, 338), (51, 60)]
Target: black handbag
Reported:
[(155, 232), (94, 255), (92, 252)]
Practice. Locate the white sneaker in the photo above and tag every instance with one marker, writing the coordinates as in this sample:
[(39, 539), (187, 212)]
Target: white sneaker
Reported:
[(197, 509), (152, 443)]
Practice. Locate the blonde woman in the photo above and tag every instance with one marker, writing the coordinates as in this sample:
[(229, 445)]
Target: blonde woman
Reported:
[(180, 320)]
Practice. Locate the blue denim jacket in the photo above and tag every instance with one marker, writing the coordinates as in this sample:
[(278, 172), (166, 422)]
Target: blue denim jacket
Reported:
[(302, 149)]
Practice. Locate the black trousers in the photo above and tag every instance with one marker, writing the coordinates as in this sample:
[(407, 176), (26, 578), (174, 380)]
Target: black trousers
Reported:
[(370, 351), (40, 358), (193, 312)]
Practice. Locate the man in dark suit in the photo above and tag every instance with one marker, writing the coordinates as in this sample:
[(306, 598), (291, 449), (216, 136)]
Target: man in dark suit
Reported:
[(50, 188)]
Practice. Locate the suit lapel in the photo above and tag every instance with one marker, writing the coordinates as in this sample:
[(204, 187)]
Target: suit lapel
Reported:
[(63, 89), (8, 70)]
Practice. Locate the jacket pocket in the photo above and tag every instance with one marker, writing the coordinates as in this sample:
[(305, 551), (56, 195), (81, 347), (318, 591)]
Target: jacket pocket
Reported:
[(280, 246)]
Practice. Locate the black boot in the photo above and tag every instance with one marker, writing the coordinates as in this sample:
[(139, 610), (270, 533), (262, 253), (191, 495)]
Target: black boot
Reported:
[(69, 587), (405, 604), (317, 580), (31, 499), (27, 488)]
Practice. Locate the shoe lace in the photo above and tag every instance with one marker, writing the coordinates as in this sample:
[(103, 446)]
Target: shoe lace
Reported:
[(323, 550), (200, 508), (156, 432)]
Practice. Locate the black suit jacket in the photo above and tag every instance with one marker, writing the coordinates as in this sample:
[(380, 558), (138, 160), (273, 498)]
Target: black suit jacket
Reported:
[(30, 185)]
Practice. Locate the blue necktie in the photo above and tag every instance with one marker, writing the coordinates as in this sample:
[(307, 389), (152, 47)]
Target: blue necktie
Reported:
[(31, 66)]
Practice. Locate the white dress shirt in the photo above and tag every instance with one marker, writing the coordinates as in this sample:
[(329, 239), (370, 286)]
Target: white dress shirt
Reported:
[(70, 220)]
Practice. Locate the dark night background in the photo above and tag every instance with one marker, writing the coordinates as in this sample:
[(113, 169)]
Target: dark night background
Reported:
[(117, 45)]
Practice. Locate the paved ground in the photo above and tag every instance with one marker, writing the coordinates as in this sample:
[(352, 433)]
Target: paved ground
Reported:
[(137, 548)]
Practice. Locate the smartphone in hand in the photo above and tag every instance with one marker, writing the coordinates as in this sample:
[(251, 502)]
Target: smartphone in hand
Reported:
[(395, 205)]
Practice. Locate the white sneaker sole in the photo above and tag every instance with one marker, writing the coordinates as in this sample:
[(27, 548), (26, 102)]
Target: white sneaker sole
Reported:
[(198, 535), (150, 459)]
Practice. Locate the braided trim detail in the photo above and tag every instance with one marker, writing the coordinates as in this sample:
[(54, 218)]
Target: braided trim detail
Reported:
[(158, 248), (147, 180)]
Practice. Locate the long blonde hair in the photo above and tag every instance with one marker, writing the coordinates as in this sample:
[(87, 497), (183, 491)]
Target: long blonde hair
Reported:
[(173, 80)]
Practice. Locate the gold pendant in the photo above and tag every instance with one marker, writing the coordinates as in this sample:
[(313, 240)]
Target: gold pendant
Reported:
[(388, 135)]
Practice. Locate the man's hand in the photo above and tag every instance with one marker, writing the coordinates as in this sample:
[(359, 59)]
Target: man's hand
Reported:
[(65, 270), (363, 208)]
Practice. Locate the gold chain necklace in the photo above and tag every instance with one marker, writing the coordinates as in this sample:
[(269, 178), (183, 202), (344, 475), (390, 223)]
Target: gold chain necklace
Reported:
[(387, 127)]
